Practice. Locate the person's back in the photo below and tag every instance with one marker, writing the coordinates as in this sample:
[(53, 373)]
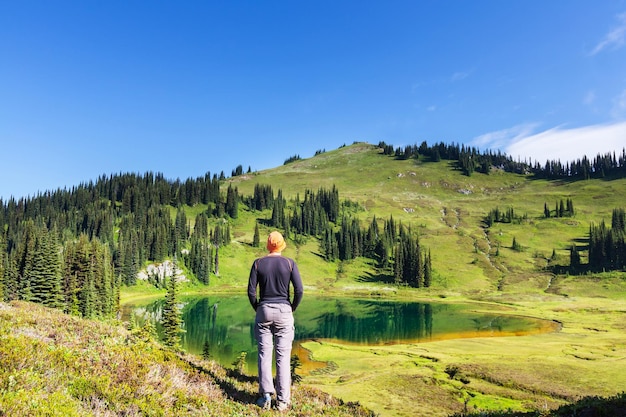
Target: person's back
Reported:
[(273, 274)]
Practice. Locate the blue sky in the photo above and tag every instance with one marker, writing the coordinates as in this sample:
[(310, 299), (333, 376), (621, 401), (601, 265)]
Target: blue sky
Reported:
[(100, 87)]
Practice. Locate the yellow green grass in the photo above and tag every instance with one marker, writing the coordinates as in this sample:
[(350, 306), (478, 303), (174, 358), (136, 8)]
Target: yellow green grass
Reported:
[(471, 263), (542, 371), (52, 364)]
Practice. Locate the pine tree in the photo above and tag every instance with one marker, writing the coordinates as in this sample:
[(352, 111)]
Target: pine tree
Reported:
[(171, 320), (232, 202), (256, 239), (574, 257), (4, 260), (25, 252), (398, 266), (46, 270), (201, 227), (206, 350), (216, 264), (428, 271), (10, 279), (295, 365), (570, 207)]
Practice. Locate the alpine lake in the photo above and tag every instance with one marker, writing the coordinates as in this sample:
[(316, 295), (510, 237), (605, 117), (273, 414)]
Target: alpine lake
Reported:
[(222, 326)]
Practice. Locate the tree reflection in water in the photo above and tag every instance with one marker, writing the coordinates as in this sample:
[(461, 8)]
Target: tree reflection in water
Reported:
[(225, 324)]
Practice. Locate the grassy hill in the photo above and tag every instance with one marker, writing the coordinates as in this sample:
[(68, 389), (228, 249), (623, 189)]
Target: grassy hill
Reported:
[(470, 262), (448, 209)]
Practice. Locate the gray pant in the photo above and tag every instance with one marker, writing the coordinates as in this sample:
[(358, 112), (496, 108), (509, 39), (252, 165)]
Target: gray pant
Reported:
[(274, 325)]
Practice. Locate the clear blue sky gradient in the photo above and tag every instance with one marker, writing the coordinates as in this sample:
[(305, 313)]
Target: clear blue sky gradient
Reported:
[(102, 87)]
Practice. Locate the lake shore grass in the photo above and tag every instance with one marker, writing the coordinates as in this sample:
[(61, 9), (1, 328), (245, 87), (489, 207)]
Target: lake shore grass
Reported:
[(586, 356)]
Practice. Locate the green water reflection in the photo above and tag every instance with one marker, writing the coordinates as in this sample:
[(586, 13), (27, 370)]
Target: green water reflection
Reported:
[(225, 323)]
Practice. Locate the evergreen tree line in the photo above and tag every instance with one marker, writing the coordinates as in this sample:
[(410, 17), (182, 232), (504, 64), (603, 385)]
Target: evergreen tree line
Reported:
[(343, 238), (262, 198), (72, 249), (502, 216), (76, 276), (607, 245), (561, 209), (310, 216), (470, 159), (291, 159), (412, 265), (239, 171)]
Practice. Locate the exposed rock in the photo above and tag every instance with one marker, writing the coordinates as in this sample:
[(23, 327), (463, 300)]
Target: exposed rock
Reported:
[(161, 270)]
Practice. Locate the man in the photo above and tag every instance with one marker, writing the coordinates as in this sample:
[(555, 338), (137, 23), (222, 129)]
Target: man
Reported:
[(274, 323)]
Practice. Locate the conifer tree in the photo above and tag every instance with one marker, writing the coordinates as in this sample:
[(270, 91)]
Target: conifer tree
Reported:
[(171, 320), (232, 202), (45, 277), (216, 264), (25, 254), (206, 350), (10, 279), (574, 257), (570, 207), (201, 226), (4, 260), (256, 239), (398, 267)]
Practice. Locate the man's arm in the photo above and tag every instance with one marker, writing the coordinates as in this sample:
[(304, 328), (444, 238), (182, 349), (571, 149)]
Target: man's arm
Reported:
[(298, 288), (252, 282)]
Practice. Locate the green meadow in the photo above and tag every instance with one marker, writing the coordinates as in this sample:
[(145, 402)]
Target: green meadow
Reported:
[(586, 357)]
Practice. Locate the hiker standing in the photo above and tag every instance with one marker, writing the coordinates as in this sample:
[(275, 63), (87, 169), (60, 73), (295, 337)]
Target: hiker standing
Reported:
[(274, 323)]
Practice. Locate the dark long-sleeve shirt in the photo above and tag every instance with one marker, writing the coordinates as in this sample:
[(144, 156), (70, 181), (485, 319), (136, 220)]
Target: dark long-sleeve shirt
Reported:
[(273, 274)]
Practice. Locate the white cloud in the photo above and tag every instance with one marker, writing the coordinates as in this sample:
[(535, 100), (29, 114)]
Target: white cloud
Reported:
[(501, 138), (568, 145), (615, 39)]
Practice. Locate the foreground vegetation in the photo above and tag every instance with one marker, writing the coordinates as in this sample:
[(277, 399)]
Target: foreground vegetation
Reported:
[(52, 364)]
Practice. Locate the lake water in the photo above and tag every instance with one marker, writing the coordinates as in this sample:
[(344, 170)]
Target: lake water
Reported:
[(225, 324)]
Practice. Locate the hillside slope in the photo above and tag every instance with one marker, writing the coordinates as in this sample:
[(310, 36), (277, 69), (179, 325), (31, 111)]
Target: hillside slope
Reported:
[(52, 364), (448, 209)]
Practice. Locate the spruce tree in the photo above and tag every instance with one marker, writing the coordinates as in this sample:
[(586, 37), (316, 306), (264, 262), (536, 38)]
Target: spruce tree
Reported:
[(171, 320), (428, 271), (574, 257), (4, 260), (45, 277), (256, 239), (206, 350), (10, 278), (232, 202)]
